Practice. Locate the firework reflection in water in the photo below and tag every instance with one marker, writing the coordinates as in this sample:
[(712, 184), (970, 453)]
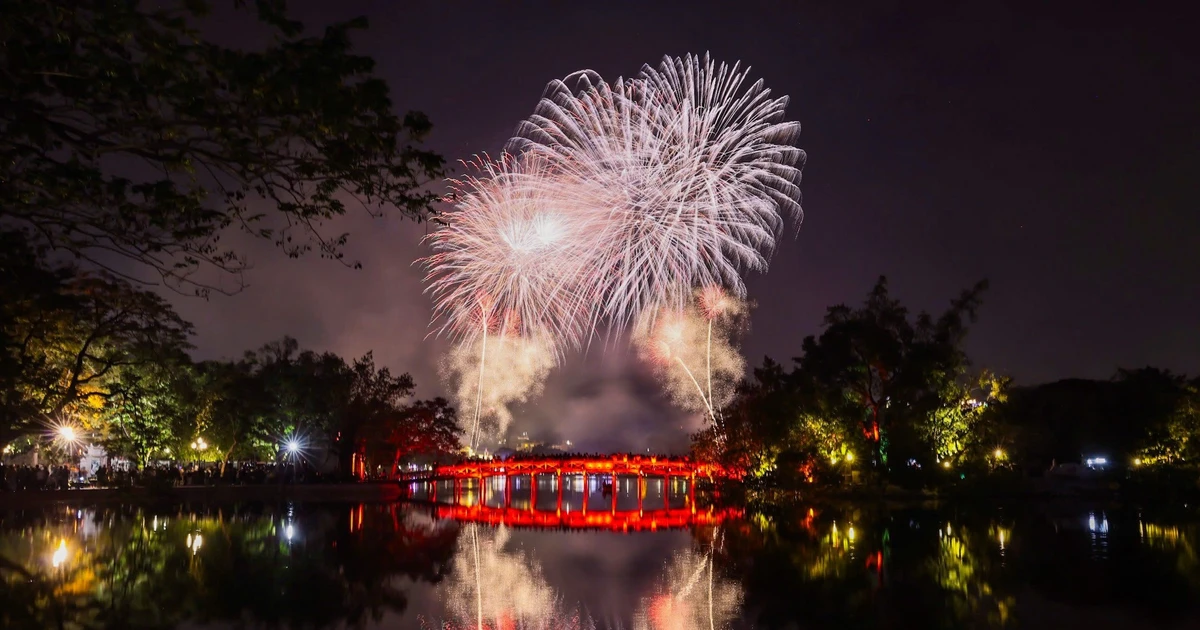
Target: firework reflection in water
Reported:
[(692, 596), (494, 587)]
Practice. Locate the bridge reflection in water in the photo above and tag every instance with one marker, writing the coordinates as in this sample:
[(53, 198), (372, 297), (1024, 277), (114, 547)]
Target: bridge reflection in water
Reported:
[(617, 494)]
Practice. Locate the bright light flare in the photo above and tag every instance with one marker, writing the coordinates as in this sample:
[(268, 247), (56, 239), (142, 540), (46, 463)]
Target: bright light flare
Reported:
[(60, 555)]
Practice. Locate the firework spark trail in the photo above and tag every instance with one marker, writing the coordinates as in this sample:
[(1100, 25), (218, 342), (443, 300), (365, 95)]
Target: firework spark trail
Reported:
[(702, 337)]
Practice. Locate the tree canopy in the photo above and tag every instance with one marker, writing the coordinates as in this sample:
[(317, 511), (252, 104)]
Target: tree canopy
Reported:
[(125, 136)]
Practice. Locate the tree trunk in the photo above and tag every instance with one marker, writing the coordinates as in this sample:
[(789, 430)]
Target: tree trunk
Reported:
[(225, 458)]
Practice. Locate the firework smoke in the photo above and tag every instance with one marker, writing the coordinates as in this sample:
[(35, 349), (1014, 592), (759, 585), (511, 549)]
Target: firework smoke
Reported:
[(490, 374), (695, 351)]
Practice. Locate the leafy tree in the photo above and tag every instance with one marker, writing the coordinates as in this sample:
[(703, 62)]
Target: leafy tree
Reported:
[(125, 135), (893, 369), (423, 428), (65, 341), (956, 427), (374, 396), (148, 411), (33, 310)]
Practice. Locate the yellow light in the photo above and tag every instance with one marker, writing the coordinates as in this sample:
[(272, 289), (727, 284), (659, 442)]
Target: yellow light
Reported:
[(849, 457), (999, 454), (60, 554), (67, 433), (946, 464), (850, 533), (1137, 461)]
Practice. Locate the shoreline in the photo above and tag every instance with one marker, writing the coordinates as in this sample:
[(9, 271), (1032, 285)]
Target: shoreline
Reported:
[(368, 492)]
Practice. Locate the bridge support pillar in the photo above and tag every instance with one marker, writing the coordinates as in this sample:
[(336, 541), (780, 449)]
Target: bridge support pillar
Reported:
[(559, 479), (641, 490), (532, 491), (508, 487)]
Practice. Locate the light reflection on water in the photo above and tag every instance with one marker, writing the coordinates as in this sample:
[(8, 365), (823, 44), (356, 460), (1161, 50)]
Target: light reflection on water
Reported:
[(400, 566)]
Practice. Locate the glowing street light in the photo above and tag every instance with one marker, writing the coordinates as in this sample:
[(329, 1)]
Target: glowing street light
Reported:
[(849, 457), (200, 444), (999, 453), (60, 554), (67, 433), (946, 464), (292, 446)]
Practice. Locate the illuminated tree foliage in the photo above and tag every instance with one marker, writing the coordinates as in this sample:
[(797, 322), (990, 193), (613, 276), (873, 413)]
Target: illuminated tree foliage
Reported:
[(877, 389), (126, 136), (149, 412), (68, 336), (422, 428)]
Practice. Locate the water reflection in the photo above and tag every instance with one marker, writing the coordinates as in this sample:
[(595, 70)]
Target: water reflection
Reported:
[(127, 568), (492, 586), (692, 594), (453, 565)]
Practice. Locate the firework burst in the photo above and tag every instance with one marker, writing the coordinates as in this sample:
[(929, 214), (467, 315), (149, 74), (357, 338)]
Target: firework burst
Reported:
[(509, 257), (696, 170)]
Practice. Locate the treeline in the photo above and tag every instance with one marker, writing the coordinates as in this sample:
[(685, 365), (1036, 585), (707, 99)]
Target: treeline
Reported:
[(131, 149), (91, 353), (889, 396)]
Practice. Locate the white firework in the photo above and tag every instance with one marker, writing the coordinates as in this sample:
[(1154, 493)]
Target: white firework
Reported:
[(508, 259), (696, 170)]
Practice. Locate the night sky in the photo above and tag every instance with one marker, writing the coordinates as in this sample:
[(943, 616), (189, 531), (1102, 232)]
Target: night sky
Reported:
[(1053, 151)]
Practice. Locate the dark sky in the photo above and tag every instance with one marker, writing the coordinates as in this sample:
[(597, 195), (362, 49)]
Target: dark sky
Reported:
[(1050, 149)]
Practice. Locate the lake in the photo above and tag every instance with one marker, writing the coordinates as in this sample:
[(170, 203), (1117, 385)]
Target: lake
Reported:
[(425, 565)]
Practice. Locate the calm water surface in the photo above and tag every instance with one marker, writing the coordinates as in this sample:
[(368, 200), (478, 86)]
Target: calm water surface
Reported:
[(436, 566)]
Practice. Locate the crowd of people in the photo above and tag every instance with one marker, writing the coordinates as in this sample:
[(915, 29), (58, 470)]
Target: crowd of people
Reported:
[(34, 477), (41, 477)]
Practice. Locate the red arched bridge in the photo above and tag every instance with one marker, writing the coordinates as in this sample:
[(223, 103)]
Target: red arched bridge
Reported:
[(616, 492), (606, 465)]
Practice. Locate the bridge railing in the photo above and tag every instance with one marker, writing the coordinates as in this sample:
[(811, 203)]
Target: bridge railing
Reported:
[(640, 465)]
